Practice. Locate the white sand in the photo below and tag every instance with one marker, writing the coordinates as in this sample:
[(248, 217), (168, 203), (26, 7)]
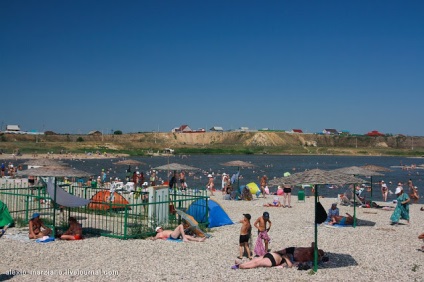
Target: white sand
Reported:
[(378, 252)]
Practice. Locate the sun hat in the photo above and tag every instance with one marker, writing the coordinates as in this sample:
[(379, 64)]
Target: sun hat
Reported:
[(157, 228), (35, 215), (248, 216), (266, 215), (398, 190)]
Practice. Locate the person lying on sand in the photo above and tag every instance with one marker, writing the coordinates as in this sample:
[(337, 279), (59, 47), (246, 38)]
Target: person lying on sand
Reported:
[(37, 229), (74, 232), (178, 233), (341, 220), (286, 257), (275, 203)]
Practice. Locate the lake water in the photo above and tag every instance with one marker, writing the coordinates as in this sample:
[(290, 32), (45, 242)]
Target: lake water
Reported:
[(272, 166)]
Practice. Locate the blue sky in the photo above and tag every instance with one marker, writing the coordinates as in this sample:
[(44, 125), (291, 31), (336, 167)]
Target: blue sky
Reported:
[(77, 66)]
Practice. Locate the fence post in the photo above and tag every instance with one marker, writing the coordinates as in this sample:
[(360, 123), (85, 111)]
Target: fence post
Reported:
[(125, 221), (26, 209)]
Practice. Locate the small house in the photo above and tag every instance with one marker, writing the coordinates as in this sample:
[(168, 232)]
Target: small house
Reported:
[(13, 128), (95, 133), (217, 128), (183, 129), (330, 131), (296, 131)]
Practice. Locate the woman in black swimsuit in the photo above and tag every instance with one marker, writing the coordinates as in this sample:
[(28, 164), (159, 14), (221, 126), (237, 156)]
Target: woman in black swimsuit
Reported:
[(267, 260)]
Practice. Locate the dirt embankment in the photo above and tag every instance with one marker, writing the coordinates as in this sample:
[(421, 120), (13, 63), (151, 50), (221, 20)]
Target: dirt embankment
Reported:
[(272, 141)]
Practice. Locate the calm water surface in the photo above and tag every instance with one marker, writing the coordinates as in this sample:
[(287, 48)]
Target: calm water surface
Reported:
[(272, 166)]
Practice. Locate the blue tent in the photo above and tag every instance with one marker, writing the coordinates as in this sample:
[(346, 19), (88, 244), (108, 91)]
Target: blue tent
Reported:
[(217, 215)]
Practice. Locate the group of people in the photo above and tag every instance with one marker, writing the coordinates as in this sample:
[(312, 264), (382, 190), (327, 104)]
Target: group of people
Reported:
[(264, 257), (37, 229)]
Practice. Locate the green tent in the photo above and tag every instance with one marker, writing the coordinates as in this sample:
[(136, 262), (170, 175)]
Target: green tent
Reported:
[(5, 217)]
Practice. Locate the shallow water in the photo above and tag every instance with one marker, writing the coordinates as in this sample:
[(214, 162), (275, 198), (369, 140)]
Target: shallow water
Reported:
[(272, 166)]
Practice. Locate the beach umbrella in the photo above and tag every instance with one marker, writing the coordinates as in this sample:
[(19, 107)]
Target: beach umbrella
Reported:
[(54, 171), (175, 166), (358, 171), (317, 177), (238, 164)]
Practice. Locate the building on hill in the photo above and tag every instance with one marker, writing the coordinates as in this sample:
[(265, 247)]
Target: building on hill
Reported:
[(217, 128), (182, 129), (12, 128), (95, 133), (330, 131)]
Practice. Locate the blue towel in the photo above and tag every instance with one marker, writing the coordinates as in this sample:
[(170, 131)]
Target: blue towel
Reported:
[(50, 239), (174, 240)]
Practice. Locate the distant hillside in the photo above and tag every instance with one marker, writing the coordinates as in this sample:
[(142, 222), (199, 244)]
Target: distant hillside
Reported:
[(219, 142)]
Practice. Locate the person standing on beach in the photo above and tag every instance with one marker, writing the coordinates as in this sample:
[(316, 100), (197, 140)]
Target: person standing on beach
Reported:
[(261, 225), (245, 233), (210, 186), (384, 190), (224, 183), (402, 207), (263, 183), (183, 181), (287, 196)]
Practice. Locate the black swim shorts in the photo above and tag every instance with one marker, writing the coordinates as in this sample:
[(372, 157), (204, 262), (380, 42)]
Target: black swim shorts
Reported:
[(287, 190), (244, 238)]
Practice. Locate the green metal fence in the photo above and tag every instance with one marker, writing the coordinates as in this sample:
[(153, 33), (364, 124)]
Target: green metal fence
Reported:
[(133, 217)]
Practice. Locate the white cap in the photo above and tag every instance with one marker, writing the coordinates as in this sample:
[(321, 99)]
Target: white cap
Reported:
[(398, 190), (210, 175), (157, 228)]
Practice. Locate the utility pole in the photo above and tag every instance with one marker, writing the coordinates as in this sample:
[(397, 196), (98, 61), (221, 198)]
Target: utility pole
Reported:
[(412, 143)]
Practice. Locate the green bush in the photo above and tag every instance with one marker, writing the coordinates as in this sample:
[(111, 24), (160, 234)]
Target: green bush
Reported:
[(80, 139)]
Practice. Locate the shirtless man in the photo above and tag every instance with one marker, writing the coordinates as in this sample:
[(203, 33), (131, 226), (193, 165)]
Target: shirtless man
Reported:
[(261, 225), (176, 234), (74, 232), (301, 254), (245, 233), (35, 225), (182, 181), (342, 220)]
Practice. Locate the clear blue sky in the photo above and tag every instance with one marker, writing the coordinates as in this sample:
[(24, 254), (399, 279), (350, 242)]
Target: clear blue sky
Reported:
[(76, 66)]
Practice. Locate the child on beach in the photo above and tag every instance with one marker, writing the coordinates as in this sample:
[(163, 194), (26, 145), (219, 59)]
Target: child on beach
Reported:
[(261, 225), (245, 234)]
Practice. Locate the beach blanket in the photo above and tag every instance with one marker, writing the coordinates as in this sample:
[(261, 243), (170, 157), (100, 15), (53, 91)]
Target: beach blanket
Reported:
[(259, 246)]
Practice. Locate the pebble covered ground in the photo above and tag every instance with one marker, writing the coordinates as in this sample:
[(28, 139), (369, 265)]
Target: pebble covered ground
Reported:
[(373, 251)]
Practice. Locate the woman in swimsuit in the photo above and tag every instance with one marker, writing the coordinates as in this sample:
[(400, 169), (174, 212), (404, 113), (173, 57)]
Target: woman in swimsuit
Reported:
[(287, 196), (267, 260), (35, 227)]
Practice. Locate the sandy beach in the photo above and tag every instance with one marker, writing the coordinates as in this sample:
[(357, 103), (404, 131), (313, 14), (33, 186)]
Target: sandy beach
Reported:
[(374, 250)]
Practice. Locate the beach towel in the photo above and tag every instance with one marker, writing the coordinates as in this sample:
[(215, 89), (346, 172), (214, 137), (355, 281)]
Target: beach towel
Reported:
[(45, 239), (336, 225), (174, 240), (259, 246)]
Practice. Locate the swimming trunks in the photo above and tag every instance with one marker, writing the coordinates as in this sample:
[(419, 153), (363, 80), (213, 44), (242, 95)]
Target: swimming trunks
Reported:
[(287, 190), (172, 238), (244, 239), (271, 258), (343, 221)]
